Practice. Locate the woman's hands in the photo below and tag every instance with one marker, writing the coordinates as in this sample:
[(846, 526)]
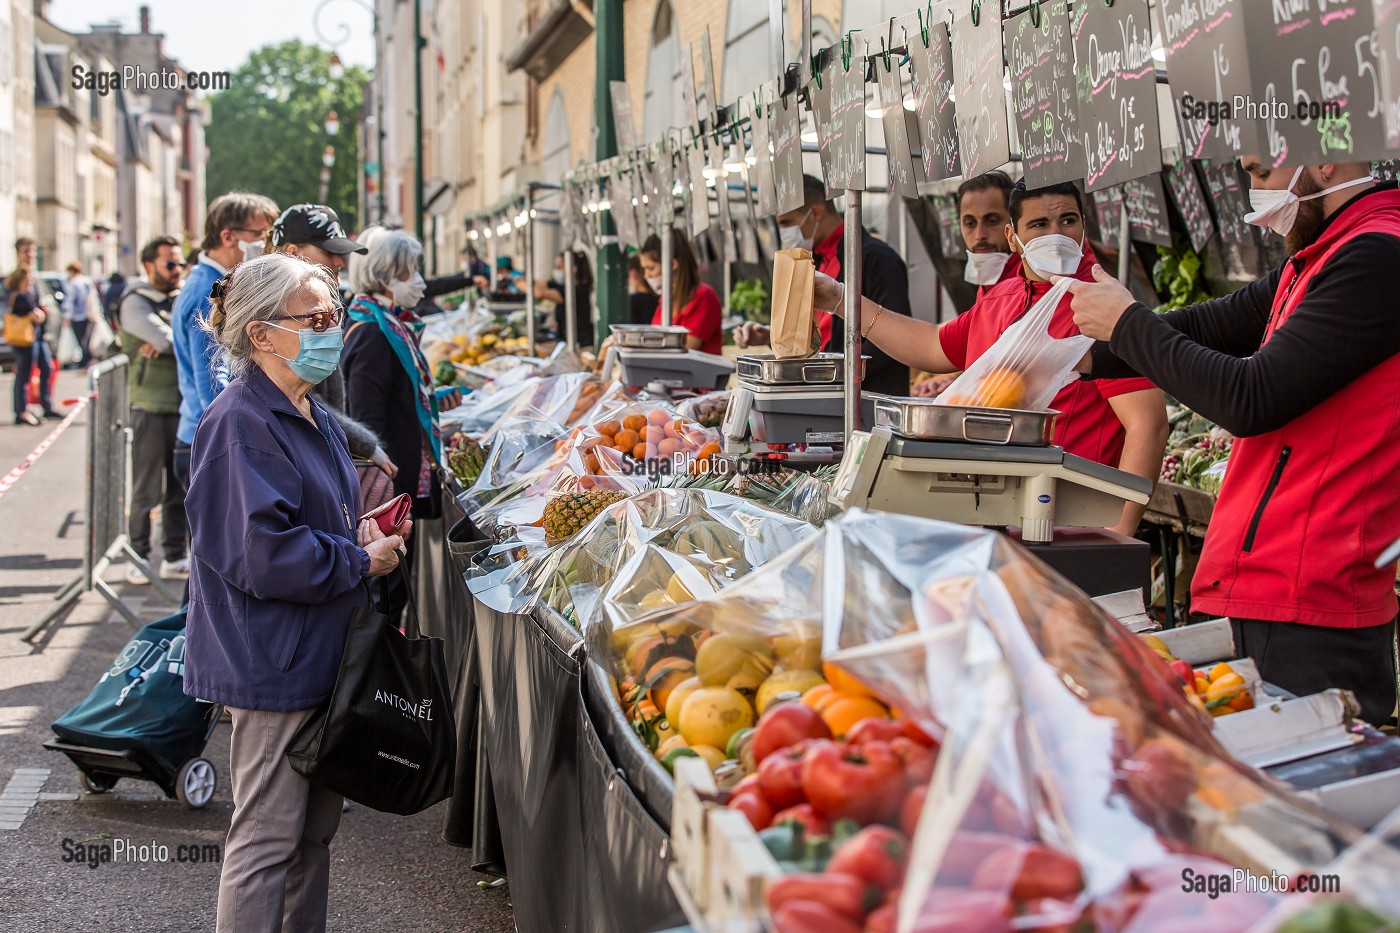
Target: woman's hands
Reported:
[(383, 550)]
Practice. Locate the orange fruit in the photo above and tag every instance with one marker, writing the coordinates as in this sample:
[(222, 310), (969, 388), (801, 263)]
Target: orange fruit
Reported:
[(708, 451), (843, 682), (658, 416), (842, 715), (817, 694), (634, 422), (626, 439), (640, 451), (645, 432), (667, 447), (609, 428), (1001, 388)]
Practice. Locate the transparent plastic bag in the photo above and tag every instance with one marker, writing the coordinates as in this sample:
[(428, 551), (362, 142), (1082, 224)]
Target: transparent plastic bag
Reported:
[(517, 459), (1075, 785), (1026, 367), (560, 398), (706, 410)]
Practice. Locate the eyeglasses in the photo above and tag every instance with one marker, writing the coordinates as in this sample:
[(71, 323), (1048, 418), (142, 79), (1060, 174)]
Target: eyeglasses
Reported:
[(258, 233), (171, 265), (316, 320)]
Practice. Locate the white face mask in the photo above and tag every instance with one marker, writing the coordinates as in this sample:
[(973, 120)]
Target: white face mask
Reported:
[(984, 268), (1052, 254), (251, 250), (793, 238), (654, 283), (408, 292), (1277, 210)]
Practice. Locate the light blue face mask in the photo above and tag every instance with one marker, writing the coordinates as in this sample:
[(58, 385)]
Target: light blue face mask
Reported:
[(318, 355)]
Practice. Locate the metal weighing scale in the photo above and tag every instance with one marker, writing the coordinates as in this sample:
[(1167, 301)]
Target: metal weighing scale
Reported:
[(779, 404), (995, 468), (655, 355)]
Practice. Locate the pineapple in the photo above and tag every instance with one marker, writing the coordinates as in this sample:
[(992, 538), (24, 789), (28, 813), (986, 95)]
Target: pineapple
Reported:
[(566, 514)]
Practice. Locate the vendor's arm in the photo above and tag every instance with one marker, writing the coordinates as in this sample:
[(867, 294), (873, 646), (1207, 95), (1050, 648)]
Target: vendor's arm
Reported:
[(1341, 329), (913, 342), (1144, 417)]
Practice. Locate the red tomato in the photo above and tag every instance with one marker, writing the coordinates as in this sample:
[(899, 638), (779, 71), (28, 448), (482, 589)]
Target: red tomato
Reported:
[(965, 856), (785, 724), (875, 855), (811, 917), (748, 781), (918, 760), (955, 911), (780, 775), (874, 730), (813, 823), (750, 802), (1027, 872), (911, 809), (882, 920), (843, 782), (912, 731), (847, 896)]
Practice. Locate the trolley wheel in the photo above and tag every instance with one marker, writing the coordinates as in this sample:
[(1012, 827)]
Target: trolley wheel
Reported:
[(196, 782), (96, 784)]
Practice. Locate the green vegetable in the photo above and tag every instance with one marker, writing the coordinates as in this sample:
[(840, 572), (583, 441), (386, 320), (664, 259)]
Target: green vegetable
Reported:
[(1336, 917), (1178, 274), (750, 298), (736, 742), (784, 841), (669, 759)]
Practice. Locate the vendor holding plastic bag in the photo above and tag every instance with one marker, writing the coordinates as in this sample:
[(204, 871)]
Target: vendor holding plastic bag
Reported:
[(1303, 367), (1117, 422)]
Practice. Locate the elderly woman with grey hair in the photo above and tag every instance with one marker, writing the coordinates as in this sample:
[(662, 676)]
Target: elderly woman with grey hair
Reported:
[(278, 566)]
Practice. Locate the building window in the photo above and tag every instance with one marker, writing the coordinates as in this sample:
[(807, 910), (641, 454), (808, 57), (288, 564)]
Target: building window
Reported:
[(665, 104)]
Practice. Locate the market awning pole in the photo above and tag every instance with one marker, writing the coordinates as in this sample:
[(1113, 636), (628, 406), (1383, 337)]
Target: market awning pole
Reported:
[(610, 282), (570, 296), (530, 269), (850, 266), (1124, 245), (666, 258)]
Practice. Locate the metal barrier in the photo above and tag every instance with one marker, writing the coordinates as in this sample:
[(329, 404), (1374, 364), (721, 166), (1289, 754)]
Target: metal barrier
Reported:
[(108, 468)]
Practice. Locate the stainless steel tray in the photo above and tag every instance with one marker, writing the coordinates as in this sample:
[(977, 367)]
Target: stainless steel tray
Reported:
[(923, 419), (767, 369), (650, 336)]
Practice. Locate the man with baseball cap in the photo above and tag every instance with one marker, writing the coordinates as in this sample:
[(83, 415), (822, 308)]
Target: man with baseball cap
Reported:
[(313, 232)]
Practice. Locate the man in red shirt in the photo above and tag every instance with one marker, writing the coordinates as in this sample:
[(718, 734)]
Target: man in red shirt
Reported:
[(1117, 422)]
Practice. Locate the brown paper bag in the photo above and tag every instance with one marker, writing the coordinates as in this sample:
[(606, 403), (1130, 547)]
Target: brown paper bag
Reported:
[(795, 334)]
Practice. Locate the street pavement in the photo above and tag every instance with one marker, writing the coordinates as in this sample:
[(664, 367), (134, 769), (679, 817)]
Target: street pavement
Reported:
[(389, 874)]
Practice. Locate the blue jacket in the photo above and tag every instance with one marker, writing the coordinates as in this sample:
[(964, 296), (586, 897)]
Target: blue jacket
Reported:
[(195, 351), (274, 572)]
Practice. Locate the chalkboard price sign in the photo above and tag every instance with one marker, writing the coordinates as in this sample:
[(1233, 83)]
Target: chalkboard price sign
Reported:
[(1207, 67), (622, 116), (828, 130), (1108, 210), (1388, 48), (1186, 192), (787, 154), (983, 137), (950, 241), (699, 193), (1041, 59), (1319, 89), (848, 122), (761, 115), (933, 98), (1115, 76), (902, 179), (1148, 221)]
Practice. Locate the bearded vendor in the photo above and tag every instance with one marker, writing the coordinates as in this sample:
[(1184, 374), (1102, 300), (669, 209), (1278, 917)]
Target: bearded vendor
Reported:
[(1303, 367), (818, 227), (1121, 423)]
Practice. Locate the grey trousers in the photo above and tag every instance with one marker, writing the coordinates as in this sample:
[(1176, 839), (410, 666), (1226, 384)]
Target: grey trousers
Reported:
[(277, 862)]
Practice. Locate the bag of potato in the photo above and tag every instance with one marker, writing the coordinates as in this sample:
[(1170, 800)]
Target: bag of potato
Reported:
[(795, 334), (1026, 367)]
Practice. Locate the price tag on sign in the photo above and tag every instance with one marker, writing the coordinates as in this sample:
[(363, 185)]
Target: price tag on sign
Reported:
[(1041, 65), (1116, 82), (932, 63), (1317, 93), (902, 179), (1207, 68), (1147, 210), (1186, 192), (983, 135)]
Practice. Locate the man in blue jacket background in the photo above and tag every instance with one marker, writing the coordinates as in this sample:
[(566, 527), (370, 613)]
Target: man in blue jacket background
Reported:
[(234, 229)]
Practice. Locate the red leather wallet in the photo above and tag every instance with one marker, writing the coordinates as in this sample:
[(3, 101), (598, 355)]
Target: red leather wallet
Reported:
[(391, 514)]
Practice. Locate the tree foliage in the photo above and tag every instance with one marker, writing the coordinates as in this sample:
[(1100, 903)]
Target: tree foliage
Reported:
[(267, 132)]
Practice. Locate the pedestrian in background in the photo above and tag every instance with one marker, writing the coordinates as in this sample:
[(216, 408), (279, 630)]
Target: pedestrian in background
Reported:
[(153, 388), (112, 299), (278, 568), (22, 300), (553, 290), (77, 303), (388, 383), (313, 232), (233, 231), (641, 300)]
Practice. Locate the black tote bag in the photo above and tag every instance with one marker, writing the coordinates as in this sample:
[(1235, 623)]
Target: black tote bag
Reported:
[(386, 738)]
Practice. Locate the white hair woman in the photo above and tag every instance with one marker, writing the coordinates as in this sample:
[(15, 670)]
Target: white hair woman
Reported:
[(388, 383), (278, 566)]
